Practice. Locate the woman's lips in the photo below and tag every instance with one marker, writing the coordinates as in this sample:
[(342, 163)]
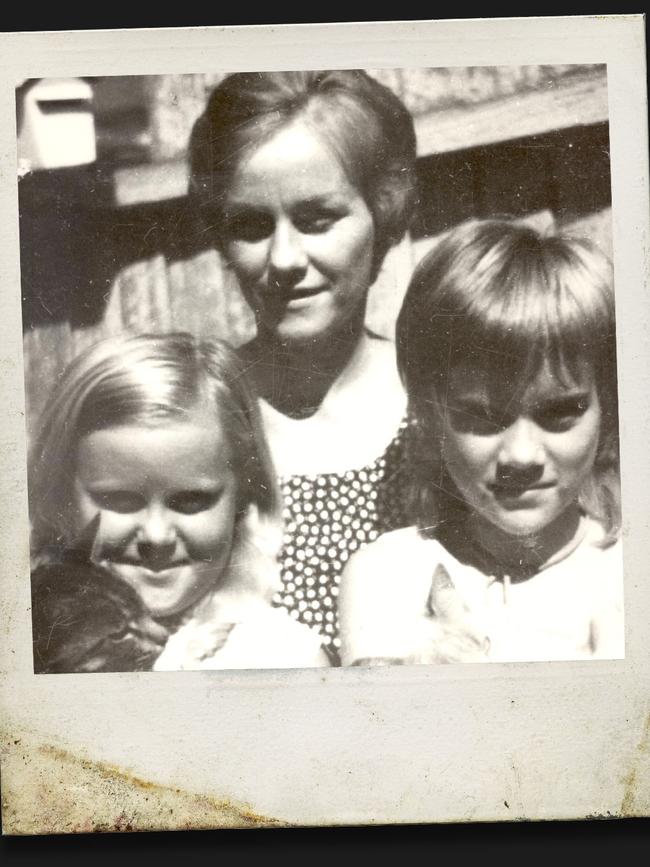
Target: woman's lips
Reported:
[(295, 296)]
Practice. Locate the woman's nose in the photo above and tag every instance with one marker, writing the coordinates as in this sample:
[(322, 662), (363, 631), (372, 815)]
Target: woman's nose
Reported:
[(287, 256), (521, 447)]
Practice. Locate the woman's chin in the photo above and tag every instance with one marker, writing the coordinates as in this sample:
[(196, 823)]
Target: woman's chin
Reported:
[(318, 322), (291, 331)]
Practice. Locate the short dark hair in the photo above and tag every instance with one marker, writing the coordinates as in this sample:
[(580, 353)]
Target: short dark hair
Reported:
[(363, 121)]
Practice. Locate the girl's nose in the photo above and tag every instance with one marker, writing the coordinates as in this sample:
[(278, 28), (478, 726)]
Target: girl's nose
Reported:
[(521, 446), (157, 531), (287, 257)]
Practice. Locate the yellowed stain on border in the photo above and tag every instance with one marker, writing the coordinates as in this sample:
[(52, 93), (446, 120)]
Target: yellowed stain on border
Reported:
[(636, 797), (49, 790)]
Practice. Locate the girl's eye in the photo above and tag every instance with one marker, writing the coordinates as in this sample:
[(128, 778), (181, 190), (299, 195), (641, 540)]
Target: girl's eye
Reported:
[(123, 502), (477, 420), (248, 226), (561, 416), (192, 502)]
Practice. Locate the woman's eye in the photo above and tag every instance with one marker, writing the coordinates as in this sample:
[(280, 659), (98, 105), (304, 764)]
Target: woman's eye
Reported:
[(315, 222), (249, 227), (122, 502), (192, 502)]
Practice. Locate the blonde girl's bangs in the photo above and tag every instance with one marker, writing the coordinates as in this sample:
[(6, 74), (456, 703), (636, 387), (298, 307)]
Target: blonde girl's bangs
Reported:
[(145, 379)]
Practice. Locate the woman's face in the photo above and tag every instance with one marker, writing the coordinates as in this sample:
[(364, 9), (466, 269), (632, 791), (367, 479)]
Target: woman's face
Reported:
[(299, 236), (520, 459), (166, 497)]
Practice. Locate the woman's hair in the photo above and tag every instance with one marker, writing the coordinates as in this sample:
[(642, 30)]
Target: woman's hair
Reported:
[(364, 123), (146, 380), (508, 299)]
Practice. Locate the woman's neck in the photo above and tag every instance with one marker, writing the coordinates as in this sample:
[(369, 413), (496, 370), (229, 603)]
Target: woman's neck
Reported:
[(296, 378)]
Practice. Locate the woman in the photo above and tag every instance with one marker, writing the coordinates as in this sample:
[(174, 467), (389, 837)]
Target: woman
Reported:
[(306, 179)]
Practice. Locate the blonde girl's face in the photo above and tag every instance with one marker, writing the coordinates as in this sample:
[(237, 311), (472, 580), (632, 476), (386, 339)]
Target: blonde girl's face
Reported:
[(519, 459), (167, 500)]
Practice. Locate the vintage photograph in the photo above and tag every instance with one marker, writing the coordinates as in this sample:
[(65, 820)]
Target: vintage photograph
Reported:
[(324, 448), (315, 375), (320, 368)]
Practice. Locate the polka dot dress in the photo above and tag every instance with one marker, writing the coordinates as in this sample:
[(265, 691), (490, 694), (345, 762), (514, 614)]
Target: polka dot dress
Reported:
[(328, 517)]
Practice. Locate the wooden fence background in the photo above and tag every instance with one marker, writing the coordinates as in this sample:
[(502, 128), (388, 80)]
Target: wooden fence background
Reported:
[(113, 247)]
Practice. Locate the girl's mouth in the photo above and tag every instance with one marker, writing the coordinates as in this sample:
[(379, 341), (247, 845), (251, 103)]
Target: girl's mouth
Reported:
[(512, 490), (306, 292), (151, 572)]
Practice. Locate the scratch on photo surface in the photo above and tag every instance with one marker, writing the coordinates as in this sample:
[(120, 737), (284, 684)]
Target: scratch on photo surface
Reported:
[(148, 232)]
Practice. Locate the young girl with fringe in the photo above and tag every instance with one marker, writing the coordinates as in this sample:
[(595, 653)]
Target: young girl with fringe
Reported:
[(506, 346), (155, 517)]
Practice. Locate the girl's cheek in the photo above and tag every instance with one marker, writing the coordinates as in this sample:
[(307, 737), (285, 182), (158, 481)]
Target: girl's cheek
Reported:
[(115, 528), (470, 452), (209, 532), (582, 444), (82, 512)]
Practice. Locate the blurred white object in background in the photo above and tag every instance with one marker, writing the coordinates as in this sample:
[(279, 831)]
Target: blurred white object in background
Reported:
[(57, 125)]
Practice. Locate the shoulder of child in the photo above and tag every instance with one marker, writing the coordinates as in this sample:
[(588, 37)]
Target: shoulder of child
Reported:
[(381, 563), (606, 582), (387, 547), (265, 638), (383, 587), (603, 565), (286, 643)]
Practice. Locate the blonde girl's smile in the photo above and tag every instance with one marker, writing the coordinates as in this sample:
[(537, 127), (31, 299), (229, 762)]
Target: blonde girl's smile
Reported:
[(167, 502)]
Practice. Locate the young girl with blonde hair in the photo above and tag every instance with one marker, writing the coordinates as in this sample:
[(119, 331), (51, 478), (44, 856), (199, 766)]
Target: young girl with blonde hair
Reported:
[(155, 516)]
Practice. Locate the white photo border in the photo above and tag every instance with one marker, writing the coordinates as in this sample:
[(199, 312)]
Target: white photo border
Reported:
[(339, 746)]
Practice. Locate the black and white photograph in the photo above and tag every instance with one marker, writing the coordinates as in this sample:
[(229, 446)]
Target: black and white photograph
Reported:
[(322, 378), (323, 375)]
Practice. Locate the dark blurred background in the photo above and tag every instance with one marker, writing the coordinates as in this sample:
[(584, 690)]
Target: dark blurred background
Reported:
[(108, 242)]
